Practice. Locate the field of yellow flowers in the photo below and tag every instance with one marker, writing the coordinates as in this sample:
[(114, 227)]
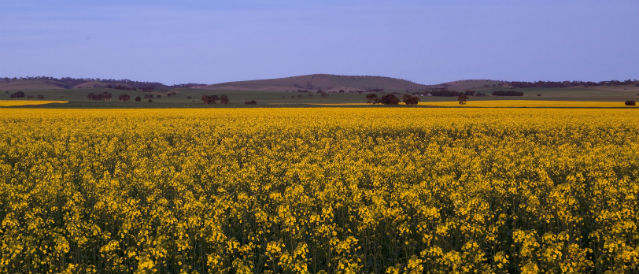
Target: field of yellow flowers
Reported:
[(15, 103), (319, 190)]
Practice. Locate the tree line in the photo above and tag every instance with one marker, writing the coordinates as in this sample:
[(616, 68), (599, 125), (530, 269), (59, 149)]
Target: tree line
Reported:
[(68, 82), (212, 99), (391, 99), (565, 84)]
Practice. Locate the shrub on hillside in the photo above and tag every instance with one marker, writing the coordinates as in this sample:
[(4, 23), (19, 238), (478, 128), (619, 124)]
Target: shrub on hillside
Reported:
[(104, 96), (210, 99), (18, 94), (124, 97)]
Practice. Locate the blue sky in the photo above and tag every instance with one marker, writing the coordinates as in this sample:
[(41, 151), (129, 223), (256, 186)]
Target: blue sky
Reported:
[(423, 41)]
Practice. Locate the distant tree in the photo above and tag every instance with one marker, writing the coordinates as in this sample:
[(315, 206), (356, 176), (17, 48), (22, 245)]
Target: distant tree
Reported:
[(158, 96), (462, 99), (389, 99), (18, 94), (631, 103), (138, 99), (341, 91), (251, 102), (210, 99), (104, 96), (371, 98), (411, 99), (443, 92), (150, 100), (124, 97), (40, 96), (224, 99)]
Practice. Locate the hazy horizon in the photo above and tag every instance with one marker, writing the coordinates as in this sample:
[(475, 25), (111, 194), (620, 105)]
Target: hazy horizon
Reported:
[(426, 42)]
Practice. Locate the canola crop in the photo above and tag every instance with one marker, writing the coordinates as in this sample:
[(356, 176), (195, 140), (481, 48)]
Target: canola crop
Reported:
[(504, 104), (530, 103), (319, 190), (15, 103)]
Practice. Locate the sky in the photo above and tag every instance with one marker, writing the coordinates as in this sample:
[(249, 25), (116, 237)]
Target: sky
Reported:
[(425, 41)]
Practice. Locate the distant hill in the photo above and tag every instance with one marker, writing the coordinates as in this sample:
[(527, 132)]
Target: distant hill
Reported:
[(325, 82), (463, 85), (49, 83), (313, 82), (328, 82), (29, 84)]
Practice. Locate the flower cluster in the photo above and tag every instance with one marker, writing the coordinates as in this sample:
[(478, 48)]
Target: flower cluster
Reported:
[(319, 190)]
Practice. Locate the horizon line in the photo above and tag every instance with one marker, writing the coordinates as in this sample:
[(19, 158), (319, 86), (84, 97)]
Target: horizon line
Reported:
[(300, 75)]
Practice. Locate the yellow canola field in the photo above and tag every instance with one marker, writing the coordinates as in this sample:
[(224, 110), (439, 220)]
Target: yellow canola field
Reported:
[(319, 190), (14, 103), (532, 103), (509, 103)]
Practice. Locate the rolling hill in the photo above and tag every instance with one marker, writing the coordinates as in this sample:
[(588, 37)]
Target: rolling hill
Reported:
[(30, 84), (325, 82), (313, 82), (463, 85), (49, 83)]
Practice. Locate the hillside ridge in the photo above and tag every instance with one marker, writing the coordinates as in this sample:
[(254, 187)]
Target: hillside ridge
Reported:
[(310, 82), (325, 82)]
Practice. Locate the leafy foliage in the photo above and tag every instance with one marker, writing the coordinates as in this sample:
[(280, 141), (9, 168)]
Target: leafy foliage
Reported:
[(389, 99)]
